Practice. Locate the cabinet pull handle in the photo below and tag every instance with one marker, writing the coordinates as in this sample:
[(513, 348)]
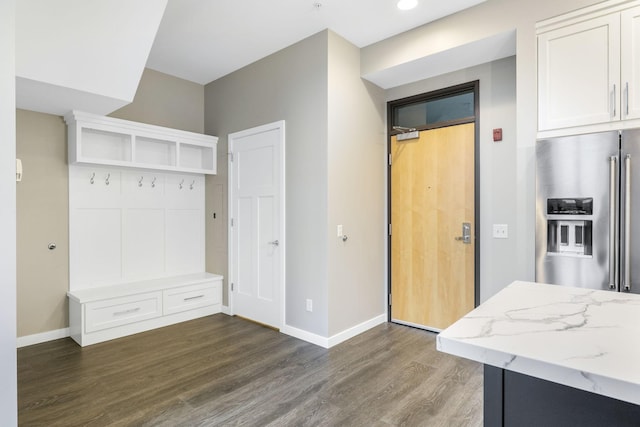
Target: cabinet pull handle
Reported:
[(192, 298), (627, 99), (131, 310), (614, 100)]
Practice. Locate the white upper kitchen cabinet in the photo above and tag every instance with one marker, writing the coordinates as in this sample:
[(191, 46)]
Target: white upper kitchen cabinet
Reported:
[(589, 68), (631, 63)]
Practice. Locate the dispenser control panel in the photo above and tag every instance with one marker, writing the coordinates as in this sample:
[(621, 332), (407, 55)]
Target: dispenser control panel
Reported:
[(569, 236), (570, 206)]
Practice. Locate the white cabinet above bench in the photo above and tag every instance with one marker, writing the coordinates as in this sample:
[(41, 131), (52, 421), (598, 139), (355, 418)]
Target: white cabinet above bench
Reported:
[(109, 141), (108, 312)]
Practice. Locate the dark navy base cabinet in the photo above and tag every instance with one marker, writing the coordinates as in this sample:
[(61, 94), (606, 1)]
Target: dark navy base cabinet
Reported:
[(512, 399)]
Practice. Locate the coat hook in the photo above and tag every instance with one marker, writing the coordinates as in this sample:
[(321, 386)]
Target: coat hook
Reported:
[(192, 183), (106, 181), (140, 181), (180, 185), (153, 183), (93, 175)]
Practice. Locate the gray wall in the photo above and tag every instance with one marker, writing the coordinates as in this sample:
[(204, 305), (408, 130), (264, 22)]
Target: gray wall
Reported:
[(42, 209), (498, 203), (289, 85), (43, 218), (168, 101), (356, 191), (479, 22), (8, 391)]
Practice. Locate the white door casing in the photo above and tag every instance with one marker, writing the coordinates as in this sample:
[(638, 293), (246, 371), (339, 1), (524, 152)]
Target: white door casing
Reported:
[(257, 224)]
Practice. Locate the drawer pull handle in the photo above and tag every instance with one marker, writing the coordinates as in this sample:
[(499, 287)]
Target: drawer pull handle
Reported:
[(131, 310), (196, 297)]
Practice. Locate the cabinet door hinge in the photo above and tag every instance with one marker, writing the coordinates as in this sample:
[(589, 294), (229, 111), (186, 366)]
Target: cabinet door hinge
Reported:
[(231, 286), (231, 155), (389, 229), (232, 222)]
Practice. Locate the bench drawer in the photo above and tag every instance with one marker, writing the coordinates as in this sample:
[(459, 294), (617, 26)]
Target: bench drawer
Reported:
[(114, 312), (190, 297)]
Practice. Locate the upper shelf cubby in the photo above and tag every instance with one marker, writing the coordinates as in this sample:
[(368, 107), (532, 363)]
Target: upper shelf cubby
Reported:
[(95, 139)]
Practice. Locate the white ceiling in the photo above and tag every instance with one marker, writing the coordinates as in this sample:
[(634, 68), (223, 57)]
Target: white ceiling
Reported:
[(203, 40), (83, 55), (90, 55)]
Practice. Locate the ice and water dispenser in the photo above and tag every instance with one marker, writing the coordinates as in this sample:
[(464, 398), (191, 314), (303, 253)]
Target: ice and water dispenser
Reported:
[(566, 235)]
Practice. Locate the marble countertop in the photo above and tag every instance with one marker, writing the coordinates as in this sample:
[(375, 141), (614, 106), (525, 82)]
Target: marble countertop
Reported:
[(583, 338)]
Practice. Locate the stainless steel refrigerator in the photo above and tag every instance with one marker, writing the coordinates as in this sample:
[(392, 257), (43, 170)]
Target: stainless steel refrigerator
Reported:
[(588, 211)]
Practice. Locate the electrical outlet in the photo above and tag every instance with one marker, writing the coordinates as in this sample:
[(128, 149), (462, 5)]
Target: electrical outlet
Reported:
[(500, 231), (309, 305)]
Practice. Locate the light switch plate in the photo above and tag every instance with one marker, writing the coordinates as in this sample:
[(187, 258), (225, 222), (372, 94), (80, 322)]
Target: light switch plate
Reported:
[(500, 231)]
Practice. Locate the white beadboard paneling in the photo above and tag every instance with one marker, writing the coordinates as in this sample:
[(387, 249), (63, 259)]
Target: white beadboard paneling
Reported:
[(185, 191), (95, 242), (94, 187), (143, 188), (185, 241), (143, 243), (140, 226)]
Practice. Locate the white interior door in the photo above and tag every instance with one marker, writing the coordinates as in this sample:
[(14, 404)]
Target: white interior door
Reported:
[(256, 250)]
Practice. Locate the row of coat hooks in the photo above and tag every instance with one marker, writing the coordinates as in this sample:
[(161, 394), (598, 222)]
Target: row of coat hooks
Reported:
[(92, 180)]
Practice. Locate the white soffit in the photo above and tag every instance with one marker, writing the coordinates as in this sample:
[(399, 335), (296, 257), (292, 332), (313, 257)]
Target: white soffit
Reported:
[(203, 40), (82, 54), (489, 49)]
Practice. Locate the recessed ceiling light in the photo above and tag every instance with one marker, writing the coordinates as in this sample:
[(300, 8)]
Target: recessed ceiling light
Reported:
[(407, 4)]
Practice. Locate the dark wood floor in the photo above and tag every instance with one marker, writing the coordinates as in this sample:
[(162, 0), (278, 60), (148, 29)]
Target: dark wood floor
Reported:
[(221, 370)]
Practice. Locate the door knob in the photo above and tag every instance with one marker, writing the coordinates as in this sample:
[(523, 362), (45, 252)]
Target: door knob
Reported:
[(466, 233), (275, 243)]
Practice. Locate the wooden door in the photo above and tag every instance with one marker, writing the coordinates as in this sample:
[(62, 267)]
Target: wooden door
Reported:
[(256, 253), (432, 195)]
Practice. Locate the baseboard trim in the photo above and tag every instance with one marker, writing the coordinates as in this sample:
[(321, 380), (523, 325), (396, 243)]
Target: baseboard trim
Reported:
[(42, 337), (337, 338), (288, 330), (357, 330), (305, 336)]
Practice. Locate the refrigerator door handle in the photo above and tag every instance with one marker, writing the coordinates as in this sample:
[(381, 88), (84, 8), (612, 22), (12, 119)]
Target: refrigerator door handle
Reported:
[(627, 223), (613, 226)]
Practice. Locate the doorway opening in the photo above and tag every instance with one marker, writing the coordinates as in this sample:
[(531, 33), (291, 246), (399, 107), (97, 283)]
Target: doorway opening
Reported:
[(433, 192)]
